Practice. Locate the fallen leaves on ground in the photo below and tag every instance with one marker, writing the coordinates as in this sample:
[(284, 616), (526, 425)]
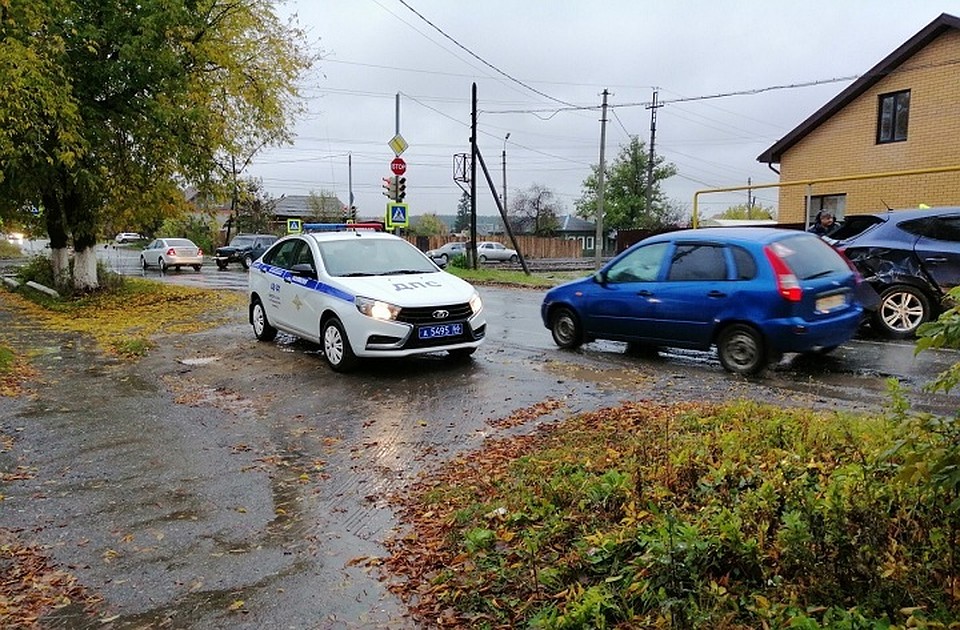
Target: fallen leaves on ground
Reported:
[(123, 322), (31, 586), (522, 416), (15, 372)]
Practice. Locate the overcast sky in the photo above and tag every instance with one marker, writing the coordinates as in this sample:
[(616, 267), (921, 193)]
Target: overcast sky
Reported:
[(529, 57)]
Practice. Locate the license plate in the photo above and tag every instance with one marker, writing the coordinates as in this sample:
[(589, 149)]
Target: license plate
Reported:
[(831, 302), (443, 330)]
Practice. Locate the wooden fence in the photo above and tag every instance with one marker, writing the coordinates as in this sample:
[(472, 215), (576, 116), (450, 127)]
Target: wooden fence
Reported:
[(530, 246)]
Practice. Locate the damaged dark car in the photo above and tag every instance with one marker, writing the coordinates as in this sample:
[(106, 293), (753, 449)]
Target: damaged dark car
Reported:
[(243, 249), (910, 257)]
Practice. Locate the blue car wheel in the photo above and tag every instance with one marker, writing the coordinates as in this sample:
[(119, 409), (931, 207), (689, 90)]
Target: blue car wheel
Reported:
[(741, 349), (565, 327)]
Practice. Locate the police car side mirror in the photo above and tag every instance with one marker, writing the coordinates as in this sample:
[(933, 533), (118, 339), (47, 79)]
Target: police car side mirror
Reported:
[(304, 271)]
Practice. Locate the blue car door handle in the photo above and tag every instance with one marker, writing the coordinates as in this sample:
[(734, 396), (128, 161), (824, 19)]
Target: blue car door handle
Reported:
[(935, 259), (716, 294), (644, 293)]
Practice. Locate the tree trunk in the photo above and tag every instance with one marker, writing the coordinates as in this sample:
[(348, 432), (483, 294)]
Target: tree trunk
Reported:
[(85, 269), (81, 215), (60, 261), (57, 231)]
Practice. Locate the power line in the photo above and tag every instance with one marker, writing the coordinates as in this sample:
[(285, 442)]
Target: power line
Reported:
[(480, 59)]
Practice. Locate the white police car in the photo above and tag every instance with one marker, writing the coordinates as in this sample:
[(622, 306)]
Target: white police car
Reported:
[(362, 293)]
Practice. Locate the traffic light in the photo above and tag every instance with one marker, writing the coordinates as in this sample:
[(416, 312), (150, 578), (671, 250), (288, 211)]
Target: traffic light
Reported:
[(401, 188), (353, 213), (390, 188)]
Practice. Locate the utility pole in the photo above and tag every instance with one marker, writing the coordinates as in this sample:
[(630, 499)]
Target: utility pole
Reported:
[(653, 134), (504, 162), (598, 237), (350, 183), (472, 251)]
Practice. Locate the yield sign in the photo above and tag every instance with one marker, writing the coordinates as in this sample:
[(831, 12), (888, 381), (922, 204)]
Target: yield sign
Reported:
[(398, 166)]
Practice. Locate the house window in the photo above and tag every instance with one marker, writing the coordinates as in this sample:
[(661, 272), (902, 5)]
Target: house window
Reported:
[(834, 204), (892, 120)]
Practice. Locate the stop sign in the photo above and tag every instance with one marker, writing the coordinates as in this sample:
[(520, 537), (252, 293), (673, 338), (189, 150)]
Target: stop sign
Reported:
[(398, 166)]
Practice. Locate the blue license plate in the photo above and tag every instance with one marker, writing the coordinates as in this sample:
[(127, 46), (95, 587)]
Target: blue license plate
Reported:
[(442, 330)]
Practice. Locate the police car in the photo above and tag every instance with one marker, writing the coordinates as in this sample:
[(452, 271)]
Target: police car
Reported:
[(359, 293)]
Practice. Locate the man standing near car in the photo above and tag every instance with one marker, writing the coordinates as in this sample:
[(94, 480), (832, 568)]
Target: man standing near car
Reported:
[(824, 224)]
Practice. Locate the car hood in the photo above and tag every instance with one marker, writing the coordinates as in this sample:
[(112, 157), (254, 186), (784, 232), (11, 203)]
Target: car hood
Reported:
[(423, 289)]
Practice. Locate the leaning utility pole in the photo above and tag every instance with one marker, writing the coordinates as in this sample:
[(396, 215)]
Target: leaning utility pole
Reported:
[(598, 238)]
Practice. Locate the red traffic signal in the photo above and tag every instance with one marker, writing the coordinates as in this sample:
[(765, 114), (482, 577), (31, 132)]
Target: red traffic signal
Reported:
[(390, 187)]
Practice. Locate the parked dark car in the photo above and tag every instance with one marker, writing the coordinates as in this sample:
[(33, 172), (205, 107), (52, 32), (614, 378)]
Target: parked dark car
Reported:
[(754, 293), (910, 257), (244, 249)]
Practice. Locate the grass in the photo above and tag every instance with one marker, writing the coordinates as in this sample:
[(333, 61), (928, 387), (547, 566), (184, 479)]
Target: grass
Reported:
[(126, 319), (515, 278), (688, 516)]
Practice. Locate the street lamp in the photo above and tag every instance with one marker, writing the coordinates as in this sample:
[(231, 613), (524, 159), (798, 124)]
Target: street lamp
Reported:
[(503, 161)]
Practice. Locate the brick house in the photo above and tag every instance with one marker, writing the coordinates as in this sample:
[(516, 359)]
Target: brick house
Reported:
[(901, 115)]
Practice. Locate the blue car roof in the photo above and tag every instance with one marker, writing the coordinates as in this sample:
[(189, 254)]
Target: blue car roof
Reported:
[(729, 234)]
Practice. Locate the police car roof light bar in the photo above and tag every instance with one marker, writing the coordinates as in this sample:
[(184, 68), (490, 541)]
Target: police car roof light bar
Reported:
[(341, 227)]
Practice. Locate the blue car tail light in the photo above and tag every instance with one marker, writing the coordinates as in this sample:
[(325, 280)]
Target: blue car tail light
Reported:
[(787, 284)]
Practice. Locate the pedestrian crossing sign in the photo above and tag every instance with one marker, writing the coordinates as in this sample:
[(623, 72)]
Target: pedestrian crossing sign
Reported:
[(397, 215), (294, 226)]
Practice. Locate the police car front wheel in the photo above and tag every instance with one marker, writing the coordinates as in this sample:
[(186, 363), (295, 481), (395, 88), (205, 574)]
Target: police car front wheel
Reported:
[(336, 346)]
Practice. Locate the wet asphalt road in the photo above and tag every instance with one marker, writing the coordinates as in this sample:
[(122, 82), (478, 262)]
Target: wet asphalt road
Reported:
[(856, 372), (221, 470)]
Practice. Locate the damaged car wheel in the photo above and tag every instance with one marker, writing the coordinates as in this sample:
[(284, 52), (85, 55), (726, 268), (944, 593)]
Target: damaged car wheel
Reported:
[(901, 311)]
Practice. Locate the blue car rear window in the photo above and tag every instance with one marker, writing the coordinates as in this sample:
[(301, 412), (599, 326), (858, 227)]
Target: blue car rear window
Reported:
[(809, 257)]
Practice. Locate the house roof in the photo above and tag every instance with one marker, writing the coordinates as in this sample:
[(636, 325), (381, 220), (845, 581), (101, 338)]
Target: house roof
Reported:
[(299, 205), (889, 63), (573, 223)]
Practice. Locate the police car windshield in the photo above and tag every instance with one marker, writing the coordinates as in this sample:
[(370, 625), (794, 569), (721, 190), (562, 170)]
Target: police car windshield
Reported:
[(373, 257)]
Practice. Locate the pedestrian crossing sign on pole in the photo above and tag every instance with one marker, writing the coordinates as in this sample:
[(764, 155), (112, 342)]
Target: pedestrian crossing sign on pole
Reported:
[(294, 226), (397, 215)]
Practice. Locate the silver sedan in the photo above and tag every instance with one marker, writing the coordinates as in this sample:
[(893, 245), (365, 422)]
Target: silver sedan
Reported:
[(490, 250), (172, 252)]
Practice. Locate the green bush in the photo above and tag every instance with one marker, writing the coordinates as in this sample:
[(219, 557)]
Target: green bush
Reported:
[(696, 516), (9, 250), (39, 269), (459, 261)]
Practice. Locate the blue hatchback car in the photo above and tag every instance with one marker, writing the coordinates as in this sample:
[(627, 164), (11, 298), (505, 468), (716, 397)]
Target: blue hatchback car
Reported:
[(754, 293)]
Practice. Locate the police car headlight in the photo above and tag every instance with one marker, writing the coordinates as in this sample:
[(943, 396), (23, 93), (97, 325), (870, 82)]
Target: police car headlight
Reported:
[(475, 303), (377, 309)]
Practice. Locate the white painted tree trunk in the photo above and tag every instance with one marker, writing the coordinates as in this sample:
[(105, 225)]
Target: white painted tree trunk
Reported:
[(85, 270), (60, 261)]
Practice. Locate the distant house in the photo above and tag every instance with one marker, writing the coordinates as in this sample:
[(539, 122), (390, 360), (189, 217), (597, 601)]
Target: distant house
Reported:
[(298, 207), (574, 228), (900, 115)]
